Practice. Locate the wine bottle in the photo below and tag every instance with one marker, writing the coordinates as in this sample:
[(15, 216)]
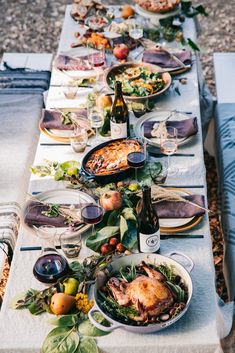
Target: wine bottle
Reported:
[(119, 121), (148, 224)]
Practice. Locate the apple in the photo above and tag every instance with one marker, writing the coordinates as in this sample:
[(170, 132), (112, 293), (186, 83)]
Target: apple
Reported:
[(121, 51), (111, 200)]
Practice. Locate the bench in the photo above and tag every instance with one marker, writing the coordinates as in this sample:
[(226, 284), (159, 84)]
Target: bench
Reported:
[(224, 65)]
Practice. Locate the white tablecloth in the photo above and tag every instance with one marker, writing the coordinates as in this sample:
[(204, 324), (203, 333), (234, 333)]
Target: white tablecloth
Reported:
[(197, 331)]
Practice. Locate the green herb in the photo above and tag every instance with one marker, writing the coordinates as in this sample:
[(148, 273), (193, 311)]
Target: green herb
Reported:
[(180, 293), (52, 211), (167, 271)]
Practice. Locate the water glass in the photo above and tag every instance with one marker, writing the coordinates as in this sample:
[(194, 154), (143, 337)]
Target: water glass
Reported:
[(71, 244), (96, 117), (78, 139), (70, 92), (158, 171)]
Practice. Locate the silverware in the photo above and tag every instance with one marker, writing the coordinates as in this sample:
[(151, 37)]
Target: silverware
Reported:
[(181, 236), (159, 154), (34, 248), (184, 186)]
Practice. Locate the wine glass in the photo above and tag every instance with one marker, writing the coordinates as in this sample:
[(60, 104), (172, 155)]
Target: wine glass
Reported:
[(50, 265), (135, 29), (137, 159), (96, 117), (169, 145), (78, 139), (92, 214)]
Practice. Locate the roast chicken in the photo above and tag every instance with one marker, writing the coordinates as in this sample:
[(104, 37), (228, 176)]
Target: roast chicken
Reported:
[(148, 294)]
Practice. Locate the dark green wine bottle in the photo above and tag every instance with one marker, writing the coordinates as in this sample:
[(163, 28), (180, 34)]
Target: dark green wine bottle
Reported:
[(148, 224), (119, 121)]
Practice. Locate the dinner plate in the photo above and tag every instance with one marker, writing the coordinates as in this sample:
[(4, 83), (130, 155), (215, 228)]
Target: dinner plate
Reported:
[(60, 135), (159, 115), (78, 74), (61, 196), (176, 225)]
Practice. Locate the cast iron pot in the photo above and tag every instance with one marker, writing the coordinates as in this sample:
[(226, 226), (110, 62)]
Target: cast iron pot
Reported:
[(136, 259), (107, 178)]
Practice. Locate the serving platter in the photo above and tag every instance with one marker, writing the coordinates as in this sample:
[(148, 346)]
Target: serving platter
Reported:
[(155, 17), (59, 196), (159, 115), (176, 225)]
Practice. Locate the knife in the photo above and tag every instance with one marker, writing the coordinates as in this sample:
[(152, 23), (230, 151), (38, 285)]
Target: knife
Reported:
[(181, 236)]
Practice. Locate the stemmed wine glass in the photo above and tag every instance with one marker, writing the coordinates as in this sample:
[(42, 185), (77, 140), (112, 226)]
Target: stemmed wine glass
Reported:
[(169, 145), (92, 214), (50, 265), (137, 159)]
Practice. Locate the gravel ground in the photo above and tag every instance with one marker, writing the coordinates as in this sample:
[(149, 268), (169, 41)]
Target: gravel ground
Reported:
[(35, 26)]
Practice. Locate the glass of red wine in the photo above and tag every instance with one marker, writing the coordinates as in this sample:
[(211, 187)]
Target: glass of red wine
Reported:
[(50, 265), (92, 214), (137, 159), (169, 145)]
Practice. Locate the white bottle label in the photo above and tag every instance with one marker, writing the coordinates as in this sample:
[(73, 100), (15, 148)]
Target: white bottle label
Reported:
[(118, 130), (149, 243)]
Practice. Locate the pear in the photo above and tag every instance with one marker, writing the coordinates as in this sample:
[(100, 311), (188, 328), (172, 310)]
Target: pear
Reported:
[(70, 286), (61, 303)]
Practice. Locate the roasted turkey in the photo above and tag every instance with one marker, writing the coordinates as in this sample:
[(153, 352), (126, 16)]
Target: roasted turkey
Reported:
[(148, 294)]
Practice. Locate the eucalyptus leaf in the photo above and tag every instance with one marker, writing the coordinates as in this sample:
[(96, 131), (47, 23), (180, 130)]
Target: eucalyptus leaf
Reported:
[(193, 45), (23, 300), (123, 227), (37, 307), (69, 164), (87, 345), (129, 239), (113, 219), (59, 174), (102, 236), (75, 266), (86, 328), (61, 340), (64, 321), (129, 214), (201, 9)]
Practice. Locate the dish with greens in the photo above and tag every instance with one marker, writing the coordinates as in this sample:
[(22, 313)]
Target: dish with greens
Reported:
[(139, 81), (143, 294)]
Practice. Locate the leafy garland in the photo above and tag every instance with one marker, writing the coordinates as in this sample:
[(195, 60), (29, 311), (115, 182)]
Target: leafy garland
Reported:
[(74, 332)]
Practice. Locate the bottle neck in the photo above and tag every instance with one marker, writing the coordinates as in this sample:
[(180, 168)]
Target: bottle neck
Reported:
[(147, 196)]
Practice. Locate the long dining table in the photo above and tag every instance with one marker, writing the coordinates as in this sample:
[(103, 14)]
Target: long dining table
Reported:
[(206, 322)]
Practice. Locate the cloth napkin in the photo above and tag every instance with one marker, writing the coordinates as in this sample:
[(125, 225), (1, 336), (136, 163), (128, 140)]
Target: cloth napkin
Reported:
[(51, 119), (165, 60), (185, 128), (65, 62), (170, 209), (35, 217)]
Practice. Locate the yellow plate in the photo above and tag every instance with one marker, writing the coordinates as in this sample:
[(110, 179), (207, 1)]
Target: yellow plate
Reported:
[(189, 225), (64, 139)]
